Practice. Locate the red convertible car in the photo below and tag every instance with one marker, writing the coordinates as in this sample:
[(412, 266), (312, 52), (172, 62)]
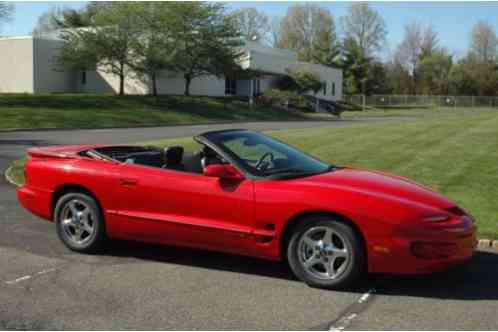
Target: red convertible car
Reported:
[(246, 193)]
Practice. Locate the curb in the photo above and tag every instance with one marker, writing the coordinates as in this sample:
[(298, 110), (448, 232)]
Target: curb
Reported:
[(487, 244), (9, 178)]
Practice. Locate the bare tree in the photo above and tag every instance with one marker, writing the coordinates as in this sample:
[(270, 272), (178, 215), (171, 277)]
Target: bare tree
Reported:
[(430, 41), (409, 50), (302, 25), (366, 27), (275, 32), (253, 25), (6, 11), (484, 42)]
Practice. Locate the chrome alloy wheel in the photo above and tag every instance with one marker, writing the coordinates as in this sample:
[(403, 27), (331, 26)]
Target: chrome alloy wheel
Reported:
[(78, 221), (323, 253)]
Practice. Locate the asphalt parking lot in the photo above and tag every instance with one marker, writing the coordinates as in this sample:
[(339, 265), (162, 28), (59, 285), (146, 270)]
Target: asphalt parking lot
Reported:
[(43, 285)]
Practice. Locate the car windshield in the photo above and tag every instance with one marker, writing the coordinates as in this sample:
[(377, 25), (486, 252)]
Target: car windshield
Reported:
[(263, 156)]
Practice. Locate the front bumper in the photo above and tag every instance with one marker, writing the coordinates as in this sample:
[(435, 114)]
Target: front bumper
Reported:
[(416, 251)]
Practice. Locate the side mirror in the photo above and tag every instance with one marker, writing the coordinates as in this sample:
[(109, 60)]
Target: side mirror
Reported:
[(226, 172)]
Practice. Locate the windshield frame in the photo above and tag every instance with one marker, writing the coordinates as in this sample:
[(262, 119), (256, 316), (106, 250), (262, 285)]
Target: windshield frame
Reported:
[(212, 139)]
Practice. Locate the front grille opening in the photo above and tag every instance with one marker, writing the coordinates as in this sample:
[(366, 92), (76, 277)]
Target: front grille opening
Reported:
[(456, 210)]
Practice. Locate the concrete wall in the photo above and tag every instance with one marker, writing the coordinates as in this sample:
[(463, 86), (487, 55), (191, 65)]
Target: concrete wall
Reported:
[(16, 65), (103, 81), (168, 83), (174, 84), (49, 75)]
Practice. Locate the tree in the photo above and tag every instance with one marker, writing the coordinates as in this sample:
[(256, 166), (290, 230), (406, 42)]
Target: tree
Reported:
[(409, 50), (305, 81), (155, 48), (207, 40), (398, 77), (366, 27), (6, 11), (304, 26), (275, 32), (48, 22), (252, 24), (430, 41), (484, 42), (417, 44), (434, 71), (470, 76), (324, 50), (85, 17), (107, 41), (355, 67)]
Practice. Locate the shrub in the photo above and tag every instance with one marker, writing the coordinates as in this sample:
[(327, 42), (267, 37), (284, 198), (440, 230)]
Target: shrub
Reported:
[(275, 97)]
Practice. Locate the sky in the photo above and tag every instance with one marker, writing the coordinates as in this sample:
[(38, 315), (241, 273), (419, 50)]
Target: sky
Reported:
[(453, 21)]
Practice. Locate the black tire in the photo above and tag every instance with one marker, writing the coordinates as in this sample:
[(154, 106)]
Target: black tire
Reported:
[(352, 242), (94, 241)]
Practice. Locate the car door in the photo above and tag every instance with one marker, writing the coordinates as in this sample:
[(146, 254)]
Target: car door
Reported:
[(175, 207)]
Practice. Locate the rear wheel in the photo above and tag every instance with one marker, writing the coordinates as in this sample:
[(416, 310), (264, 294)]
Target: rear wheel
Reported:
[(79, 222), (326, 253)]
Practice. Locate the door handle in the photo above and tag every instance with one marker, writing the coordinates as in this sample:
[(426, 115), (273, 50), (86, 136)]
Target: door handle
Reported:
[(128, 182)]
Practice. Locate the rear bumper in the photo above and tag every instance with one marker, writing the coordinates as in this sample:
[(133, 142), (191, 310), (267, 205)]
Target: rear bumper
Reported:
[(442, 249), (36, 201)]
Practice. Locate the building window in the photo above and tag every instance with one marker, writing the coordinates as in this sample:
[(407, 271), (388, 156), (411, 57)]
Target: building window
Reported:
[(332, 90), (83, 77), (324, 88), (230, 86)]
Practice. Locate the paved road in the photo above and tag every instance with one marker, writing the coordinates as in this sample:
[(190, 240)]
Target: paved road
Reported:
[(134, 286)]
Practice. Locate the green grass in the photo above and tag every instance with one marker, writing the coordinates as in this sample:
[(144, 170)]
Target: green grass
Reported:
[(415, 112), (455, 155), (24, 111)]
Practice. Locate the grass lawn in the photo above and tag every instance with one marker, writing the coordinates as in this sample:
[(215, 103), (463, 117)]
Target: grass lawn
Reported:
[(24, 111), (455, 155), (415, 112)]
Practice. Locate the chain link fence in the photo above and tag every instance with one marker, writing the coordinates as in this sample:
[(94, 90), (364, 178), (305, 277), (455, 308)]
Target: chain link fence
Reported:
[(401, 101)]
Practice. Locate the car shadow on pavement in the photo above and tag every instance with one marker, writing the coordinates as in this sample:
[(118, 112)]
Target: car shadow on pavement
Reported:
[(475, 280), (199, 258)]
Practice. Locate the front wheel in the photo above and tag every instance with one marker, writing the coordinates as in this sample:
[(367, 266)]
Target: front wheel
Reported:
[(326, 253), (79, 222)]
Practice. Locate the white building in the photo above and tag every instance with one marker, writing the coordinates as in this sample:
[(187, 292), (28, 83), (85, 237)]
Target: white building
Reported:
[(29, 65)]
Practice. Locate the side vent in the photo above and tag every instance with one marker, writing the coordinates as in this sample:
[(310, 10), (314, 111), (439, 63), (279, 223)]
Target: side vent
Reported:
[(265, 233)]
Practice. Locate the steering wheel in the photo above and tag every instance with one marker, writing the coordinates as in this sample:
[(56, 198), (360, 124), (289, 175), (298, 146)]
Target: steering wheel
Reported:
[(261, 161)]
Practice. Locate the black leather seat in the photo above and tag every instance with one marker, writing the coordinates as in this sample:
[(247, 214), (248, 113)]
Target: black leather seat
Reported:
[(209, 157), (173, 156)]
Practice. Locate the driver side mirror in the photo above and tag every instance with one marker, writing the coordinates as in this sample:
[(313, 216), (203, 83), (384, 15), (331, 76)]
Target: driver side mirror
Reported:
[(223, 171)]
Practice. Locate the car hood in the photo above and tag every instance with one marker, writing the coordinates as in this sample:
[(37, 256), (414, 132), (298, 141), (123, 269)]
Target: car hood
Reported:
[(379, 184)]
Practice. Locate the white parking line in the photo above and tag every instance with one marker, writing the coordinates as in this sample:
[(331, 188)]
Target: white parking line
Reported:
[(353, 312), (27, 277)]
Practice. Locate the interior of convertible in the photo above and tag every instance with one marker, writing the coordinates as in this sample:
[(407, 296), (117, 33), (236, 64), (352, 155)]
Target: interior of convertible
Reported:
[(172, 157)]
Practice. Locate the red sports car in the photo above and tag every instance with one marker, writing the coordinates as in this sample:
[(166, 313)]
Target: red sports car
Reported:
[(249, 194)]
